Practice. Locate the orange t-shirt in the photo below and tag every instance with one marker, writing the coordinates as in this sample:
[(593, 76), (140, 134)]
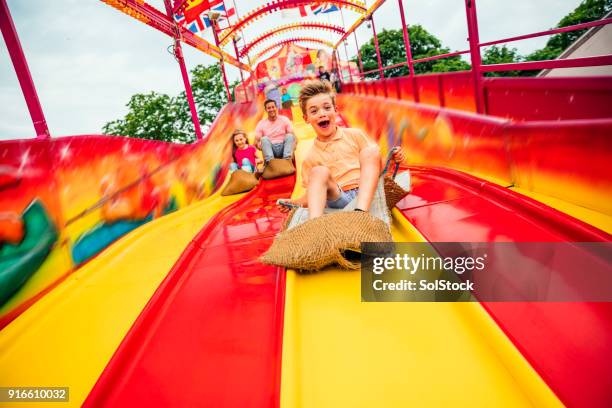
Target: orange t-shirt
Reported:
[(340, 155)]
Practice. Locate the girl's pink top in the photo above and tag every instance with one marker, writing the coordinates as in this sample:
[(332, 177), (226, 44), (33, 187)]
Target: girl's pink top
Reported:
[(248, 153)]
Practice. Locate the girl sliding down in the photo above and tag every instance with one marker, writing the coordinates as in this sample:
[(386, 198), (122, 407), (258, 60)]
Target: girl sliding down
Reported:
[(243, 153)]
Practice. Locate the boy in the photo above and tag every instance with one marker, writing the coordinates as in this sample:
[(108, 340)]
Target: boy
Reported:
[(342, 163), (274, 134)]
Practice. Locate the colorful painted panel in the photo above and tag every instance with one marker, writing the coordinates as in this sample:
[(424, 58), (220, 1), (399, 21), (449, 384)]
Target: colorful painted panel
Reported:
[(64, 200), (568, 161)]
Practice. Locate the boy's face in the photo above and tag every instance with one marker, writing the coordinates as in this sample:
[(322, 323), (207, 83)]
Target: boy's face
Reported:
[(321, 115), (271, 110)]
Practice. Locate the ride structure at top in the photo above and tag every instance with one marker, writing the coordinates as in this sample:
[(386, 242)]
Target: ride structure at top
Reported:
[(127, 278)]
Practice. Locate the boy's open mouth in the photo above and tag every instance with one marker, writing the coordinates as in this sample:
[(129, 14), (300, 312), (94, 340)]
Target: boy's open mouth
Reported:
[(324, 124)]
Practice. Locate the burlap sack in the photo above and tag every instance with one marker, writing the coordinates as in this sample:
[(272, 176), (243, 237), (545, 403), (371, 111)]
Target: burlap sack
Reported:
[(393, 192), (278, 168), (325, 241), (240, 181)]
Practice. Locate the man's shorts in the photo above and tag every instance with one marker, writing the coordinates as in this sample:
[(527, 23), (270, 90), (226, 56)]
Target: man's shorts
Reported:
[(345, 198)]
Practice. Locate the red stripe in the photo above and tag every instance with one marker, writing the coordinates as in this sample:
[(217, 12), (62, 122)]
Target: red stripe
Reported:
[(568, 344), (211, 334)]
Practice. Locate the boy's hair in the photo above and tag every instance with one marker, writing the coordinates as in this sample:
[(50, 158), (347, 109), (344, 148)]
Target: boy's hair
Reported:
[(314, 88), (268, 101)]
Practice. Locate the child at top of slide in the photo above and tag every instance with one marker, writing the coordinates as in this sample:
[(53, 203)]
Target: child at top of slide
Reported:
[(243, 153), (343, 163)]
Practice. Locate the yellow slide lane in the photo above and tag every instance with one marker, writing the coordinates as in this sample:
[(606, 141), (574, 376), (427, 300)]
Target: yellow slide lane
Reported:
[(340, 352), (67, 338)]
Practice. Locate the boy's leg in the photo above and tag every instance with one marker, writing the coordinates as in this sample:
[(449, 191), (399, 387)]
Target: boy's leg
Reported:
[(266, 149), (369, 163), (289, 146), (321, 187)]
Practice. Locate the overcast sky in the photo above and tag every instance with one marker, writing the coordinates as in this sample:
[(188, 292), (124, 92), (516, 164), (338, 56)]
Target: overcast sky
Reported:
[(87, 59)]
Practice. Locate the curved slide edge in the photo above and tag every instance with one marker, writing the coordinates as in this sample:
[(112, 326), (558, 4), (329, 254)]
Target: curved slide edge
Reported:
[(70, 334), (566, 343), (211, 333), (338, 351)]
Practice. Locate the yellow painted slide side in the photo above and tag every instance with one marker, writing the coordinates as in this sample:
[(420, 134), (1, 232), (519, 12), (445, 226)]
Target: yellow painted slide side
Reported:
[(340, 352), (67, 338)]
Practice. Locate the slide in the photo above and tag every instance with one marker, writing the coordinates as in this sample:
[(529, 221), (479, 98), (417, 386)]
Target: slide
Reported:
[(180, 312)]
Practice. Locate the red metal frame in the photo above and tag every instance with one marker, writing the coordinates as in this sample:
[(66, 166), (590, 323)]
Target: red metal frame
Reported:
[(381, 74), (221, 62), (23, 72), (408, 52), (178, 53), (358, 55), (472, 22), (246, 94), (289, 27)]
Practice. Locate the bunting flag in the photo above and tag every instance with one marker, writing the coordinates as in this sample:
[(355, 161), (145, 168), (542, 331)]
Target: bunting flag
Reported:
[(200, 24), (296, 12), (324, 8), (312, 10), (196, 7), (220, 8)]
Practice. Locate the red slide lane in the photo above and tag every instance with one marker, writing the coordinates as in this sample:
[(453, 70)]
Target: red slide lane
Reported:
[(569, 344), (211, 334)]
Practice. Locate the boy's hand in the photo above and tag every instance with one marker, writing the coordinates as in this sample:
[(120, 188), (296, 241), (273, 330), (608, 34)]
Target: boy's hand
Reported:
[(289, 204), (398, 155)]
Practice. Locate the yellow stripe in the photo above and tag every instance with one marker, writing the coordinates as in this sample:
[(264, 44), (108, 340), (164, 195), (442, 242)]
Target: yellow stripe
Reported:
[(67, 338), (592, 217), (338, 351)]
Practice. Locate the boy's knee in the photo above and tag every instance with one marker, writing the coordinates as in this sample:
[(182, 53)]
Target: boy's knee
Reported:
[(265, 140), (289, 136), (319, 173), (370, 153)]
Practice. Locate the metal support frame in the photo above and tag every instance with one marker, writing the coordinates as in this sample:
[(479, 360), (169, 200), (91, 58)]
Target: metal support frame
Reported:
[(358, 56), (221, 61), (472, 21), (246, 95), (415, 89), (178, 53), (23, 72), (381, 74)]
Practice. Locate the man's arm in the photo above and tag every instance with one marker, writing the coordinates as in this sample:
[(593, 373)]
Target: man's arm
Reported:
[(258, 135), (289, 126)]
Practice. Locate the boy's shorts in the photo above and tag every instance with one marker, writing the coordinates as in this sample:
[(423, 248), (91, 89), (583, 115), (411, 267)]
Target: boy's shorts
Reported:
[(345, 198)]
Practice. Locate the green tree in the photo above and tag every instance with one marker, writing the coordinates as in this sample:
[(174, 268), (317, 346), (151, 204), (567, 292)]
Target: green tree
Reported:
[(162, 117), (422, 44), (501, 55), (588, 10)]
